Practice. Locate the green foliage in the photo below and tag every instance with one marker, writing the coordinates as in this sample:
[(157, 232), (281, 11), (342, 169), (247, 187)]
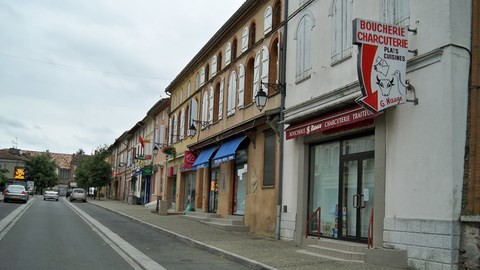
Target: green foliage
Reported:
[(94, 171), (3, 177), (41, 169)]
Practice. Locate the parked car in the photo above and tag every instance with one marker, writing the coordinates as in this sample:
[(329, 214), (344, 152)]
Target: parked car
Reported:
[(50, 195), (15, 193), (78, 194)]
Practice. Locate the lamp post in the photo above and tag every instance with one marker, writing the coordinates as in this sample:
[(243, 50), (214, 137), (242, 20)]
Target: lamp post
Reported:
[(155, 153), (193, 130)]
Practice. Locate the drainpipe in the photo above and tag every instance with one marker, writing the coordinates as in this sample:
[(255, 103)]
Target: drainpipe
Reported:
[(281, 125)]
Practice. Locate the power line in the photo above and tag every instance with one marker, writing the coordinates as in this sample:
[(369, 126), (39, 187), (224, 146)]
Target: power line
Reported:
[(82, 68)]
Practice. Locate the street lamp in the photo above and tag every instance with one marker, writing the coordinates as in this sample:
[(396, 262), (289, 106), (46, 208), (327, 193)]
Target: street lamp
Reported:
[(155, 150), (261, 96), (193, 130)]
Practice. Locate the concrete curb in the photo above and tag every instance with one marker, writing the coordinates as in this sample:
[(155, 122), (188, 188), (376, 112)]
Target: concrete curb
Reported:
[(214, 250)]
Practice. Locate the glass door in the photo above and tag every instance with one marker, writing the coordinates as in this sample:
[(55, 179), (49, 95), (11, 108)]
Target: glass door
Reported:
[(357, 196), (213, 192)]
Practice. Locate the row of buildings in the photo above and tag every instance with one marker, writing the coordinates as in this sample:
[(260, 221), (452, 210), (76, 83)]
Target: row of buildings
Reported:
[(14, 161), (368, 135)]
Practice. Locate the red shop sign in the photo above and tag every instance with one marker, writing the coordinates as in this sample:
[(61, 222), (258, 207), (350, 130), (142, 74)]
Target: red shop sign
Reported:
[(330, 121)]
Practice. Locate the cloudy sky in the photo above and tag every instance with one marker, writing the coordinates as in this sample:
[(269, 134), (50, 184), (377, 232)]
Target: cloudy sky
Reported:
[(78, 73)]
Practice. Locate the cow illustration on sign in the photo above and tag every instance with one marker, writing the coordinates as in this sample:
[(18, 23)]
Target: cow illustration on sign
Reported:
[(385, 82)]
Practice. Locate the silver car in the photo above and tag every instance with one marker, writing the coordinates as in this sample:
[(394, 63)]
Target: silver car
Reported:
[(78, 194), (15, 193), (50, 195)]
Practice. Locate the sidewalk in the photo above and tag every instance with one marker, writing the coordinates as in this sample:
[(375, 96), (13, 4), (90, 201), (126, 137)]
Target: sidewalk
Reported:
[(246, 248)]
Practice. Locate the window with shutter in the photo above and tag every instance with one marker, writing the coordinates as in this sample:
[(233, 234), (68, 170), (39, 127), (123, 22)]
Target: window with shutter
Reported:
[(228, 53), (232, 87), (220, 100), (175, 128), (256, 75), (189, 89), (193, 114), (205, 107), (170, 132), (265, 61), (197, 81), (210, 107), (241, 85), (396, 12), (245, 39), (267, 20), (202, 76), (182, 124), (214, 65), (341, 18), (303, 52)]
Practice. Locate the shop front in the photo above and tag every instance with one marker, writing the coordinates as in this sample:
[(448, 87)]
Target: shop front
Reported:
[(340, 183)]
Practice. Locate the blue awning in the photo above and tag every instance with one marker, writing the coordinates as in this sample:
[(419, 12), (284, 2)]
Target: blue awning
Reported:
[(204, 158), (227, 151)]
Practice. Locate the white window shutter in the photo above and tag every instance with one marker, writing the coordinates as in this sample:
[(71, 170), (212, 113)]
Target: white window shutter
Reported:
[(220, 100), (210, 106), (256, 75), (228, 53), (189, 89), (214, 65), (175, 128), (202, 76), (182, 124), (245, 39), (205, 107), (267, 16), (241, 85), (232, 85), (170, 126), (161, 134), (265, 61)]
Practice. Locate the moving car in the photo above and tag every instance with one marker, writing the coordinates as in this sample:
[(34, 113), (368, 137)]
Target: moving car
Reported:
[(50, 195), (15, 193), (78, 194)]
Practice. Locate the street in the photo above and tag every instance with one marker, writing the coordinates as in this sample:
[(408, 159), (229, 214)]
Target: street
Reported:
[(64, 235)]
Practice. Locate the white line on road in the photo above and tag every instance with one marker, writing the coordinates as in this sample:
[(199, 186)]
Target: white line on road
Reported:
[(7, 223), (118, 244)]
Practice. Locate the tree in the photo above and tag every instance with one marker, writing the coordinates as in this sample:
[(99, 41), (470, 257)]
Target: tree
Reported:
[(41, 170), (3, 177), (94, 171), (80, 152)]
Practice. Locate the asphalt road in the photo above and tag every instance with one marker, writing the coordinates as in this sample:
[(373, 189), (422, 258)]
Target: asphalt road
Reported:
[(64, 235)]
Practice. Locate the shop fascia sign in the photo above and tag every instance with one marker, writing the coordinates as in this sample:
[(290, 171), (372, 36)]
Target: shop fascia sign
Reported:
[(381, 65), (329, 122)]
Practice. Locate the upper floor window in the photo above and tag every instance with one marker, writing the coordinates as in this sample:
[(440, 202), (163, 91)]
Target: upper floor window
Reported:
[(181, 96), (231, 94), (277, 11), (252, 32), (273, 63), (228, 53), (267, 20), (219, 62), (193, 113), (396, 12), (220, 99), (182, 124), (245, 39), (214, 65), (249, 79), (264, 67), (175, 128), (189, 89), (207, 72), (303, 37), (197, 81), (205, 107), (241, 85), (341, 13), (234, 49), (211, 104), (202, 76)]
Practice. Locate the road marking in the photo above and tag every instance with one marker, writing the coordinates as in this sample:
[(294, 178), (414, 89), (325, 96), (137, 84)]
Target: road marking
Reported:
[(7, 223), (127, 251)]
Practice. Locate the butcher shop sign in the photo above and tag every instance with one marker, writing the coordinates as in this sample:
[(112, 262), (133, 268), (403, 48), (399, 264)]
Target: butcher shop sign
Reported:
[(382, 62)]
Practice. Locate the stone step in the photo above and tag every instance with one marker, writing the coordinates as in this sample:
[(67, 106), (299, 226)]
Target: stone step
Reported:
[(227, 227), (335, 249), (227, 221)]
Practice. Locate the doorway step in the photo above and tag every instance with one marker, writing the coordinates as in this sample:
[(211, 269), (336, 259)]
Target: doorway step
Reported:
[(335, 249), (231, 223)]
